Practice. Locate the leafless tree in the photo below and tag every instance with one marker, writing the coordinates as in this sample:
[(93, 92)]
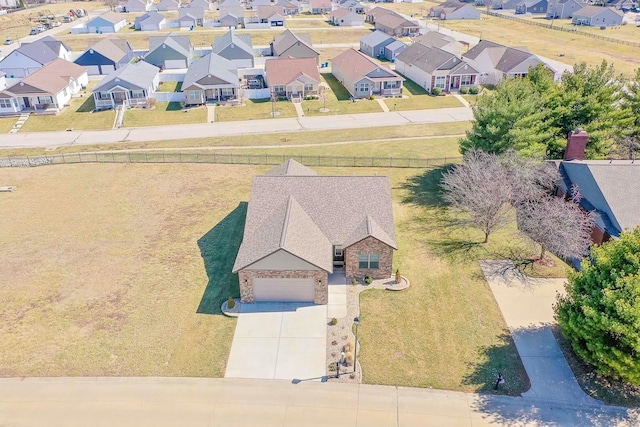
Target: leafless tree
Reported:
[(626, 148), (480, 188), (112, 4), (530, 178)]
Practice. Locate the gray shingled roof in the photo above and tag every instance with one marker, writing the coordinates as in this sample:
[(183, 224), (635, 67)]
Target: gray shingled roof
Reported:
[(140, 74), (243, 41), (111, 47), (211, 64), (591, 11), (291, 168), (43, 50), (193, 12), (150, 18), (307, 215), (610, 187), (287, 38), (375, 38), (504, 58), (178, 43), (395, 45)]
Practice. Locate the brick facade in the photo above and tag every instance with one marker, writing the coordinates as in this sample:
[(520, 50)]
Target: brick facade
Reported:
[(319, 279), (369, 245)]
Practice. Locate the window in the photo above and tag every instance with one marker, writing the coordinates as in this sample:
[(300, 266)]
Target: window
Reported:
[(337, 251), (45, 100), (440, 81), (227, 91), (392, 85), (137, 94), (104, 95), (278, 89), (194, 95), (466, 80), (382, 50), (5, 103), (368, 261), (308, 88), (363, 87)]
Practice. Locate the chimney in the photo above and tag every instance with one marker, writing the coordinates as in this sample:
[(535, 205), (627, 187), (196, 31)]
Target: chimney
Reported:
[(576, 144)]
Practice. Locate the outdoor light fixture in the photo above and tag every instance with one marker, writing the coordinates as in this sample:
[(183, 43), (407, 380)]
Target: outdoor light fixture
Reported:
[(356, 321)]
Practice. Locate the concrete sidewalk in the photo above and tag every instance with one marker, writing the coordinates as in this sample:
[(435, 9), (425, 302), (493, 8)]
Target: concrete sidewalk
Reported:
[(252, 127), (203, 402), (527, 307)]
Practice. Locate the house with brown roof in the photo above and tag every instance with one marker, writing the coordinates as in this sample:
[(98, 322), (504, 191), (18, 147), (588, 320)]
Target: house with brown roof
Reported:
[(291, 45), (363, 76), (372, 14), (397, 25), (106, 55), (320, 7), (302, 227), (46, 90), (346, 18), (272, 15), (292, 77)]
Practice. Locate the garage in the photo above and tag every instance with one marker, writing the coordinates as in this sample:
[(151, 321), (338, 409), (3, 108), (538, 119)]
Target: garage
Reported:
[(107, 69), (93, 70), (175, 63), (283, 290)]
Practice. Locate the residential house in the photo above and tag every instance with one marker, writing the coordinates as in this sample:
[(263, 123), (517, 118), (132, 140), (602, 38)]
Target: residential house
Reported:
[(362, 76), (48, 89), (354, 6), (432, 67), (190, 17), (290, 7), (290, 45), (300, 227), (272, 15), (200, 4), (137, 6), (376, 12), (231, 7), (3, 81), (503, 4), (596, 16), (108, 22), (345, 18), (320, 7), (253, 4), (210, 79), (236, 48), (441, 41), (230, 21), (30, 57), (170, 51), (168, 5), (392, 50), (532, 7), (292, 77), (563, 9), (130, 85), (607, 188), (397, 25), (454, 9), (497, 62), (106, 55), (623, 5), (150, 21), (373, 44)]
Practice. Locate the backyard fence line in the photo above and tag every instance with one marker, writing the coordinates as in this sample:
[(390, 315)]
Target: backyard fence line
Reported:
[(555, 27), (224, 158)]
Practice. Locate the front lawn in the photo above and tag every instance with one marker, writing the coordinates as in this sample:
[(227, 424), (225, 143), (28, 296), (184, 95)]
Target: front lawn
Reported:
[(164, 113), (6, 124), (255, 109), (418, 99), (338, 101)]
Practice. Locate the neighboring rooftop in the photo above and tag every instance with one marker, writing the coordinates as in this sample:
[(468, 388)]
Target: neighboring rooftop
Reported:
[(375, 38), (286, 39), (176, 42), (210, 65), (282, 71), (139, 74), (357, 65), (43, 50), (51, 78), (111, 47)]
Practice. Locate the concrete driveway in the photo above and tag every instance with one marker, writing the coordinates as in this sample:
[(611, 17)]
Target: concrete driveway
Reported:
[(279, 341)]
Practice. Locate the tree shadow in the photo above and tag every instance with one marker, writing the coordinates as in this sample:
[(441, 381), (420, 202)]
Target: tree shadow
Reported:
[(219, 247), (425, 190)]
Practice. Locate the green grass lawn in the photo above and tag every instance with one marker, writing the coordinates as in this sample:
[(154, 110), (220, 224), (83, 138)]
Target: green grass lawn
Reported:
[(79, 115), (338, 101), (170, 87), (164, 113), (6, 124), (255, 109), (418, 99)]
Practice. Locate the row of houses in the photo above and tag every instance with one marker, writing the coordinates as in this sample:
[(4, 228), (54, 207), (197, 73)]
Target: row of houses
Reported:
[(581, 12)]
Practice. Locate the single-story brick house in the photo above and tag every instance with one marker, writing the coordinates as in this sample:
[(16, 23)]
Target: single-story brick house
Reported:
[(301, 227), (292, 77)]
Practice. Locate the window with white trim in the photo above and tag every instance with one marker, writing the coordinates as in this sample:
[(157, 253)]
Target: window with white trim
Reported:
[(194, 95), (278, 89), (104, 96), (45, 100), (338, 251), (308, 88), (137, 94), (363, 87), (227, 91), (368, 261), (392, 85), (5, 103), (440, 82), (466, 80)]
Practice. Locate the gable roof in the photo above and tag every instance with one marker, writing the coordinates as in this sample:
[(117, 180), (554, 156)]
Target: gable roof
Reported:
[(379, 11), (306, 215), (181, 44), (434, 38), (320, 4), (375, 38), (266, 12), (43, 50), (150, 18), (357, 65), (213, 65), (191, 12), (243, 41), (169, 5), (430, 59), (393, 20), (53, 77), (291, 168), (111, 47), (591, 11), (503, 58), (396, 44), (130, 3), (139, 74), (230, 3), (286, 39), (282, 71), (112, 17), (342, 12), (199, 4)]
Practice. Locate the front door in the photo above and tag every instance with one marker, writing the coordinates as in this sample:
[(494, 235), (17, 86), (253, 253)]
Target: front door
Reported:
[(119, 97), (27, 104), (338, 256)]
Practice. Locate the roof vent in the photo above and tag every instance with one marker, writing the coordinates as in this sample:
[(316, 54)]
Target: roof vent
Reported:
[(91, 51), (117, 80), (21, 84), (209, 76)]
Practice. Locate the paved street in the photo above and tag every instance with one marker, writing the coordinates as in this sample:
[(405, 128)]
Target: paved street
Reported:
[(197, 402), (160, 133)]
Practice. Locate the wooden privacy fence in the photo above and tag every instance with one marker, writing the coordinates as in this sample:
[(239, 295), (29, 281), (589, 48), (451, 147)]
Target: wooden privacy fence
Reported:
[(225, 158)]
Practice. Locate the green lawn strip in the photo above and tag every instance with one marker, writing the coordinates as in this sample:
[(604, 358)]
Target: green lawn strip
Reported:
[(170, 87), (338, 101), (79, 115), (6, 124), (255, 109), (418, 99), (164, 113)]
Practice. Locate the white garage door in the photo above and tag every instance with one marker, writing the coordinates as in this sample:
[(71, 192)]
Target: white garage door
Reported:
[(283, 290), (107, 69), (93, 70), (175, 63)]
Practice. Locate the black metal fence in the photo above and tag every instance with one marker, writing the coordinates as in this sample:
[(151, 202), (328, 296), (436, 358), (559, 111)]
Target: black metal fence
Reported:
[(224, 158)]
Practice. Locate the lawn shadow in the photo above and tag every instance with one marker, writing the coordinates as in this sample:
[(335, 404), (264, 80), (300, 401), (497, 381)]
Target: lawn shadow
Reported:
[(173, 106), (340, 92), (219, 247), (425, 190), (87, 106)]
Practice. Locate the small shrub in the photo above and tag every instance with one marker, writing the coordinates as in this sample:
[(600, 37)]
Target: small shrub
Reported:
[(333, 366), (349, 358), (348, 346), (368, 280), (231, 303), (398, 276), (474, 90), (436, 91), (464, 90), (151, 102), (372, 97), (354, 281), (334, 321)]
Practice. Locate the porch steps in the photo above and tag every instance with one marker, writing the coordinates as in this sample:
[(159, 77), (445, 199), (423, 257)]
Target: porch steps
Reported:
[(18, 125), (120, 110)]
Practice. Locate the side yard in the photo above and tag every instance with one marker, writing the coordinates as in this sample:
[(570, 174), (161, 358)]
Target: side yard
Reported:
[(338, 101), (164, 113), (255, 109), (416, 98)]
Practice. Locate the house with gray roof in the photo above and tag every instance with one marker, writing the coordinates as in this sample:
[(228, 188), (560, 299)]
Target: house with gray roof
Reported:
[(273, 15), (106, 55), (441, 41), (137, 5), (233, 8), (563, 9), (170, 52), (150, 21), (373, 44), (30, 57), (169, 5), (210, 79), (597, 16), (432, 67), (345, 18), (363, 76), (532, 7), (454, 9), (200, 4), (290, 7), (353, 5), (190, 17), (130, 85), (291, 45), (301, 227), (392, 50), (236, 48), (108, 22)]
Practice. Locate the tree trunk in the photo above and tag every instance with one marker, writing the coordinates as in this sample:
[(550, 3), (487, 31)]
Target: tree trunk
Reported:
[(542, 252), (486, 237)]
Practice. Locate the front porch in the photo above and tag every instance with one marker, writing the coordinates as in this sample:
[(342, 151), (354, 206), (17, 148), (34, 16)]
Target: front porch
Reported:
[(107, 100)]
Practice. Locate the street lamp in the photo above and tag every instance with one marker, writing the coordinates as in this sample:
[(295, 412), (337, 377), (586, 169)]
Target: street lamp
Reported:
[(356, 321)]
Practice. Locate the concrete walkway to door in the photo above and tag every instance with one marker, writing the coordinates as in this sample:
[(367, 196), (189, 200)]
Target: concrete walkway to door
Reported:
[(527, 306), (275, 340)]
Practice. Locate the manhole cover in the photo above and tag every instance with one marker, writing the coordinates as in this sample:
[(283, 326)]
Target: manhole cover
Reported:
[(398, 354)]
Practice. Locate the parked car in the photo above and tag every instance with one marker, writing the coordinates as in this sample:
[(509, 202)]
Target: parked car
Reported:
[(34, 31), (8, 41)]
